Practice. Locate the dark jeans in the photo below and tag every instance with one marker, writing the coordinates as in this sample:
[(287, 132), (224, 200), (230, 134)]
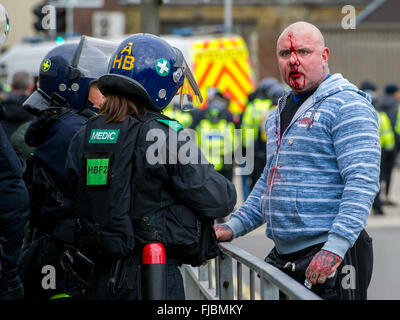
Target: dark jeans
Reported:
[(227, 173), (352, 276), (387, 164), (388, 159)]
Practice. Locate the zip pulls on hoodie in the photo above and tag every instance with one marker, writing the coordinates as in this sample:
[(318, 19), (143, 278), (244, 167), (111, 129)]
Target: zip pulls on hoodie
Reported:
[(272, 175), (282, 104), (274, 170), (311, 119), (298, 97)]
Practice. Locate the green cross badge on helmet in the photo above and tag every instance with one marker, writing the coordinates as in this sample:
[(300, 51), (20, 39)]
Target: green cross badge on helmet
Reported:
[(162, 67), (46, 65)]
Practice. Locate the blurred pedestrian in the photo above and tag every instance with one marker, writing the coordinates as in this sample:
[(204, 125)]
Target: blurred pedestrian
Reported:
[(387, 140), (216, 138), (14, 115), (389, 104), (257, 108), (173, 111)]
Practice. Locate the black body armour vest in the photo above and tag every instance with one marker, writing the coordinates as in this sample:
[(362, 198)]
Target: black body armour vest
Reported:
[(105, 196)]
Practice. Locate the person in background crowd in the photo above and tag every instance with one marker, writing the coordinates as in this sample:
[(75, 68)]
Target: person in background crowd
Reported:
[(276, 91), (258, 105), (389, 104), (173, 111), (14, 115), (386, 136), (216, 137)]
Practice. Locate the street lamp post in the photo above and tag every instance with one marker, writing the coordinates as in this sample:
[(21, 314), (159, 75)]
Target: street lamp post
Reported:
[(150, 16), (228, 16)]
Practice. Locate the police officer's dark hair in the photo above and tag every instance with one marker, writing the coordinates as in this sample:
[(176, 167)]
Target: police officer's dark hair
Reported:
[(117, 108), (21, 80)]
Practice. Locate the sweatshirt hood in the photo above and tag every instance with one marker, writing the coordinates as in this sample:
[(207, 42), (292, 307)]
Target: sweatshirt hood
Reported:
[(334, 84)]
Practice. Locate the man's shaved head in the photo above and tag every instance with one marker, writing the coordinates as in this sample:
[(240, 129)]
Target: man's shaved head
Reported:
[(302, 27), (302, 56)]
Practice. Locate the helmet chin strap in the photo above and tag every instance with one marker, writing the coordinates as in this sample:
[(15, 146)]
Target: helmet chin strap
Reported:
[(179, 65), (58, 101), (74, 73), (184, 70)]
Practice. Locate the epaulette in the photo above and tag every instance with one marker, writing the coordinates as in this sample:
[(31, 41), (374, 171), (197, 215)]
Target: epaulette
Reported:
[(173, 124)]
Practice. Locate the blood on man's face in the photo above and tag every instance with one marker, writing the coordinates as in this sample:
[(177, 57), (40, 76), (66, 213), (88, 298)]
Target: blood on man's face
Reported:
[(302, 60)]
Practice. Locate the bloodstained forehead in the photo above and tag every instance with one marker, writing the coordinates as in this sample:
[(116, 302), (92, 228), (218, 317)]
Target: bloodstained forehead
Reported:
[(291, 39)]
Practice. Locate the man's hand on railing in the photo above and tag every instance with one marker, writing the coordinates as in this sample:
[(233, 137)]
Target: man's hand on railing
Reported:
[(223, 232), (322, 266)]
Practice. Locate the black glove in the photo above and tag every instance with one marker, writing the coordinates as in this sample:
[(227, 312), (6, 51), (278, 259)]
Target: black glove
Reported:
[(35, 135), (11, 287)]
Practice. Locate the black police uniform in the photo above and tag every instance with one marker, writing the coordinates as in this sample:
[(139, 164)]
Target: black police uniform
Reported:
[(51, 222), (14, 210), (163, 193)]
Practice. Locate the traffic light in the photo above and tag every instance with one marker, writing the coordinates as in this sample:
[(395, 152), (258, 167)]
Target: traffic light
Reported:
[(61, 20), (37, 11), (49, 17)]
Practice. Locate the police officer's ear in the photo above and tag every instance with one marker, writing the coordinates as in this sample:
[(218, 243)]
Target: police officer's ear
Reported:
[(31, 87)]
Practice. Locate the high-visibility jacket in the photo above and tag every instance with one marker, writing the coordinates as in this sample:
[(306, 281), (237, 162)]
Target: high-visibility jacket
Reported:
[(397, 125), (217, 140), (184, 118), (252, 118), (386, 134), (263, 133)]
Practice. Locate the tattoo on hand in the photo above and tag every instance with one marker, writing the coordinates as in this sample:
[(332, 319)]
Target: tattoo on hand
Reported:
[(323, 264), (221, 227), (326, 260)]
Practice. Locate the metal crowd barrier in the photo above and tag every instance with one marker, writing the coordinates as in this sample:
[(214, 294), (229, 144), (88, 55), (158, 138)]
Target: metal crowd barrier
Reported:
[(221, 279)]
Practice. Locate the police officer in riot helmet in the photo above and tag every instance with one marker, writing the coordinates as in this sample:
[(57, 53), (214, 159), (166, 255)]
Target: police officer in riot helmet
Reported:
[(276, 92), (216, 136), (61, 108), (215, 111), (14, 205), (264, 87), (128, 157)]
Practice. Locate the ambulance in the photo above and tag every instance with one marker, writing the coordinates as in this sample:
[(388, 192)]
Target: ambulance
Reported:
[(27, 57), (221, 62), (217, 61)]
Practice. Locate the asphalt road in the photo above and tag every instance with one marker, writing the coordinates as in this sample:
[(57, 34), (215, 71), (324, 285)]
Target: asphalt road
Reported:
[(385, 231), (385, 283)]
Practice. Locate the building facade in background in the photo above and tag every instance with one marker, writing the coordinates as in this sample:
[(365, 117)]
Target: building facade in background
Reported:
[(258, 21)]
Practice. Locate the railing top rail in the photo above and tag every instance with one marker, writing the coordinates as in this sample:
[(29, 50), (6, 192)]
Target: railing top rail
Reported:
[(286, 284)]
